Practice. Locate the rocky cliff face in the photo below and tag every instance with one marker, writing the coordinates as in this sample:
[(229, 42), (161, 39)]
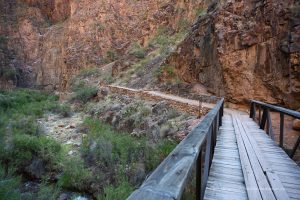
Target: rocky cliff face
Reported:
[(239, 49), (51, 40), (243, 50)]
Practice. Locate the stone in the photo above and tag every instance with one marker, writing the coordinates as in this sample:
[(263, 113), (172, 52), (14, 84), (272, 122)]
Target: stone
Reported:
[(63, 51), (296, 124), (36, 169), (244, 32), (63, 196)]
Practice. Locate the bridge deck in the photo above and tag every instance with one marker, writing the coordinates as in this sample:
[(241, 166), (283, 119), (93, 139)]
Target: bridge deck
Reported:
[(248, 164)]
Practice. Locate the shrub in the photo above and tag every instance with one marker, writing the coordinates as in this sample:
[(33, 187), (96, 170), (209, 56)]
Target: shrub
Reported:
[(48, 192), (84, 93), (26, 125), (9, 73), (112, 55), (137, 51), (199, 11), (172, 113), (5, 102), (182, 24), (88, 72), (121, 191), (26, 147), (75, 175), (64, 110), (99, 26), (8, 186), (155, 156)]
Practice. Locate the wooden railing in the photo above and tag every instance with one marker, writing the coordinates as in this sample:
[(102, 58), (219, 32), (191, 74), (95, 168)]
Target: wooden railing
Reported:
[(265, 120), (170, 178)]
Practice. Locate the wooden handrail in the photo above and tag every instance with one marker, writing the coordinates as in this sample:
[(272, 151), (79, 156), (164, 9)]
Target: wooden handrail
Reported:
[(265, 118), (285, 111), (170, 178)]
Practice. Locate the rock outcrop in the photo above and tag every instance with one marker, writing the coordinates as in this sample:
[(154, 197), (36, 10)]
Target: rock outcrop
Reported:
[(239, 49), (51, 40), (243, 50)]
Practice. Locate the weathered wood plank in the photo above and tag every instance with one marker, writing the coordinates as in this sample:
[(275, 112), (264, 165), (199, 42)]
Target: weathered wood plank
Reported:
[(226, 174), (273, 179), (250, 180)]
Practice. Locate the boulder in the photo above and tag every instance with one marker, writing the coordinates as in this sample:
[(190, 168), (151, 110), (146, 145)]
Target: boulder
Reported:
[(296, 124)]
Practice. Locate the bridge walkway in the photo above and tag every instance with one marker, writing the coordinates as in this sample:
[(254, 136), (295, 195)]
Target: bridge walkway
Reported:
[(248, 164)]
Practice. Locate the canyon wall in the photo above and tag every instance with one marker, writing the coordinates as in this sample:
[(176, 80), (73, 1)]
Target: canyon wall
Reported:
[(238, 49), (51, 40), (244, 50)]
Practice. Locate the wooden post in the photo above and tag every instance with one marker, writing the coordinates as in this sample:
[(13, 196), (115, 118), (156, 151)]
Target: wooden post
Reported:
[(251, 110), (295, 148), (269, 127), (263, 119), (259, 113), (206, 162), (281, 129), (254, 112), (198, 175), (221, 111)]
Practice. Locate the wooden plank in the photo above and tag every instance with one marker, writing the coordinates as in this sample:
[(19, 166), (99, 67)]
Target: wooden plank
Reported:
[(273, 180), (214, 194), (250, 181), (226, 174)]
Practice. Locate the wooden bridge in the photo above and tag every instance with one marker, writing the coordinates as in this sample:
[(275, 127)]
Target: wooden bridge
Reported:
[(231, 157)]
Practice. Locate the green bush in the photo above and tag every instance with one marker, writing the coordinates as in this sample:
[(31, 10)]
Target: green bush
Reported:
[(153, 157), (75, 175), (8, 186), (125, 151), (138, 51), (64, 110), (84, 93), (119, 192), (21, 138), (26, 147)]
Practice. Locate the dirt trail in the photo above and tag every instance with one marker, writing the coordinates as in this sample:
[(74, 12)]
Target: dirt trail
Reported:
[(188, 105)]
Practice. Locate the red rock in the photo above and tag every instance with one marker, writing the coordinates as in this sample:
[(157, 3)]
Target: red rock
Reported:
[(296, 124)]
